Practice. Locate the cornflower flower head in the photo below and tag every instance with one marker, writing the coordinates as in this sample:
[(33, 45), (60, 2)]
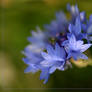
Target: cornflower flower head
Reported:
[(54, 58), (75, 48), (52, 49)]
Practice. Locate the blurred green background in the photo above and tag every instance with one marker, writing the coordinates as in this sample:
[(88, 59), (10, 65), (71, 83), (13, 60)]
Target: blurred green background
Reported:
[(18, 18)]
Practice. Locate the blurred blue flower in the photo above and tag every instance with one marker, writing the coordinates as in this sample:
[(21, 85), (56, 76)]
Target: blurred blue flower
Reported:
[(57, 26), (38, 39), (75, 48), (32, 59)]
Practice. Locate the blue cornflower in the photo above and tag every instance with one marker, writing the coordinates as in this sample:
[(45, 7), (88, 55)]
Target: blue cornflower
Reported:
[(75, 48), (76, 29), (38, 39), (54, 58), (57, 26)]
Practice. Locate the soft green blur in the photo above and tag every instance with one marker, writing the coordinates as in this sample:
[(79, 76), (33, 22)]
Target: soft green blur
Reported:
[(18, 18)]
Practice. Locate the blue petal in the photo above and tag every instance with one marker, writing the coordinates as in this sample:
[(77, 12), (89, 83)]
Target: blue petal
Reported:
[(89, 30), (72, 40), (83, 16), (46, 56), (70, 28), (60, 52), (84, 27), (61, 18), (83, 56), (78, 55), (44, 75), (85, 47), (65, 43), (47, 63), (28, 69), (50, 50), (52, 69), (75, 55), (90, 38), (69, 55), (78, 25), (31, 69), (90, 19), (26, 61), (68, 7)]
